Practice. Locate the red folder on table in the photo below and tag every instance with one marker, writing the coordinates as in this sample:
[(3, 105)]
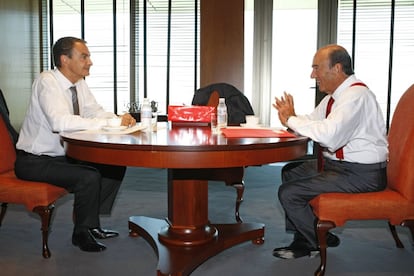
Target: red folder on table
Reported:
[(243, 132)]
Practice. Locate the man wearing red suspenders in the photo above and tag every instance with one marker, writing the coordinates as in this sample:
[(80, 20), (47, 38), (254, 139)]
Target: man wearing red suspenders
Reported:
[(349, 127)]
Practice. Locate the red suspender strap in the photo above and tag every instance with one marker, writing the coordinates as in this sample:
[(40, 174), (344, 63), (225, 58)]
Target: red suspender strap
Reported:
[(359, 83), (340, 152)]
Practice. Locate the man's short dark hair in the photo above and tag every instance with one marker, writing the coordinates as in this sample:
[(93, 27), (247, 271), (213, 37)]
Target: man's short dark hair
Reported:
[(341, 56), (64, 46)]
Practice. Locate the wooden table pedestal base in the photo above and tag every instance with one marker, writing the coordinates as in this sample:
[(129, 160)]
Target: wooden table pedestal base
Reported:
[(181, 260)]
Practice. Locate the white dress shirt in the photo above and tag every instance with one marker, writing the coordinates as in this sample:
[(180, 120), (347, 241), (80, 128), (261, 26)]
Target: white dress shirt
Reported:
[(50, 112), (355, 123)]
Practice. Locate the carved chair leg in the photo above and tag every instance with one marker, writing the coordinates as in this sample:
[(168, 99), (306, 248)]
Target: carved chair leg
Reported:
[(394, 234), (45, 213), (3, 211), (322, 228), (410, 225), (240, 191)]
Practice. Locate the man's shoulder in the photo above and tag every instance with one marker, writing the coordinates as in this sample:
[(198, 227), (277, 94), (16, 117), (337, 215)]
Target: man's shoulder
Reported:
[(48, 74), (52, 77)]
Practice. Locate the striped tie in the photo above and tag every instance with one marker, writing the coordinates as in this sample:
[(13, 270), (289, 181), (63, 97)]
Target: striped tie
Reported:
[(75, 100)]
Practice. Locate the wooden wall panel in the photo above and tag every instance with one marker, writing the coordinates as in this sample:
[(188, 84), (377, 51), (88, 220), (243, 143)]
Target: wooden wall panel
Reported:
[(222, 42)]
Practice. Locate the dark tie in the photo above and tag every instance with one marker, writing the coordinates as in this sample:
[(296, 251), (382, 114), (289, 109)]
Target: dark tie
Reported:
[(75, 100), (329, 106), (339, 153)]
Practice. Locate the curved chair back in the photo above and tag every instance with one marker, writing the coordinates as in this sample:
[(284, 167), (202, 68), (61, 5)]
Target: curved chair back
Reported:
[(38, 197), (238, 106), (7, 150), (4, 112), (394, 204), (400, 169)]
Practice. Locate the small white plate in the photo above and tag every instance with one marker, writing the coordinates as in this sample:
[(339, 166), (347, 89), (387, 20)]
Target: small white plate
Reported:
[(251, 126), (114, 128)]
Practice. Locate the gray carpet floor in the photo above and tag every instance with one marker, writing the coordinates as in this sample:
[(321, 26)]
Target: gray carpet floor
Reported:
[(366, 249)]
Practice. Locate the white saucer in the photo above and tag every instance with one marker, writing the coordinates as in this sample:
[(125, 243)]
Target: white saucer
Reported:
[(114, 128), (251, 126)]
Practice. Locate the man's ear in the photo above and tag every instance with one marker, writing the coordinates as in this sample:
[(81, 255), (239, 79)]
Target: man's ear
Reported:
[(64, 59), (338, 68)]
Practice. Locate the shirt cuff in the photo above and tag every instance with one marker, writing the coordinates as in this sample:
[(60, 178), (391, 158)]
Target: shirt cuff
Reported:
[(287, 120)]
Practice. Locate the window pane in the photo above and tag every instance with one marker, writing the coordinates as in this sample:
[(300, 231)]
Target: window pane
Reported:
[(181, 76), (157, 33), (403, 57), (99, 35), (293, 48), (65, 11), (182, 72), (123, 54), (372, 43), (106, 77)]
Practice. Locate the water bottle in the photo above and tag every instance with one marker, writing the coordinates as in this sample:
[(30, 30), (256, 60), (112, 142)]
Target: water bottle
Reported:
[(146, 115), (221, 114)]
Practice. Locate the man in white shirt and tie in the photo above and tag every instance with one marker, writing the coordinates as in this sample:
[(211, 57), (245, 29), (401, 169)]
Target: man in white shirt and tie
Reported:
[(40, 152), (349, 127)]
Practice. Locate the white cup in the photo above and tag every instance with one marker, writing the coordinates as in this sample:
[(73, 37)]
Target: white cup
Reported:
[(252, 120), (114, 122)]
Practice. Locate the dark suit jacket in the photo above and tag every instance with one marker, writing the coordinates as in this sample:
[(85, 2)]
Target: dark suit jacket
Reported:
[(4, 111), (238, 106)]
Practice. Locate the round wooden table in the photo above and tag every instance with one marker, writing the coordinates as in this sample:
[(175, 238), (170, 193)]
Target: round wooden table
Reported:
[(192, 155)]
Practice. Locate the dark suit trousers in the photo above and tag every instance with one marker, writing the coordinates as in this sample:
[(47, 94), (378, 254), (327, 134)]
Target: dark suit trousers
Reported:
[(94, 186), (301, 182)]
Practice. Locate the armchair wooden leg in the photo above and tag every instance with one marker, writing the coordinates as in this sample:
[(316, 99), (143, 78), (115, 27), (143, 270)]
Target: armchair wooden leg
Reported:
[(322, 228), (3, 211), (394, 234), (45, 213)]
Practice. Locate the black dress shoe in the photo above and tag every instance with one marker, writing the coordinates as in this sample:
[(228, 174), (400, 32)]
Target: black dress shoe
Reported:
[(100, 233), (332, 240), (87, 242), (301, 248), (297, 249), (289, 252)]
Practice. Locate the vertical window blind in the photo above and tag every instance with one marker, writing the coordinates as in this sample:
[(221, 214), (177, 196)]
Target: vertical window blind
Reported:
[(140, 48), (380, 35), (167, 48)]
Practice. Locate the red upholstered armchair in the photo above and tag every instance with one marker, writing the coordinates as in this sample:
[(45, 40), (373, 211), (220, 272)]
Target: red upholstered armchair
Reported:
[(36, 196), (395, 204)]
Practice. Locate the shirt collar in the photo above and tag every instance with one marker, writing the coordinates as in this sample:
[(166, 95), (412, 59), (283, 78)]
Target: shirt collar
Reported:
[(66, 84), (344, 85)]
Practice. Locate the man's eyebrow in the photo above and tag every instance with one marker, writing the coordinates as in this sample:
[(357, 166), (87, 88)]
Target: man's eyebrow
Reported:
[(85, 54)]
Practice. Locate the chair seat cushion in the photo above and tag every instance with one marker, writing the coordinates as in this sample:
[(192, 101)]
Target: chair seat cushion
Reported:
[(29, 193), (341, 207)]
